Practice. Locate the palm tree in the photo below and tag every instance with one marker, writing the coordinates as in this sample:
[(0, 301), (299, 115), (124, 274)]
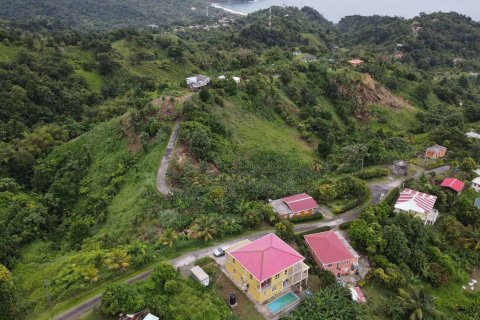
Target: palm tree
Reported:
[(316, 166), (169, 237), (416, 303), (203, 227), (475, 239), (117, 259), (91, 274)]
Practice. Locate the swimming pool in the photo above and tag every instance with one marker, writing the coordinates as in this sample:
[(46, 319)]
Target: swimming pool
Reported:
[(282, 303)]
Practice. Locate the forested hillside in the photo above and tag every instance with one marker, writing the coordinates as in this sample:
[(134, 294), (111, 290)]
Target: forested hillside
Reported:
[(85, 118), (105, 14)]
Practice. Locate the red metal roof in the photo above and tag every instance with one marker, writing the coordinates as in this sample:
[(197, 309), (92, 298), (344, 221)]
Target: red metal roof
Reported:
[(300, 202), (266, 257), (453, 184), (357, 295), (328, 247), (412, 200)]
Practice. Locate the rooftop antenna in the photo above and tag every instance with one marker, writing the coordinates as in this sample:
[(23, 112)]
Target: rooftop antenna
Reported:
[(270, 19)]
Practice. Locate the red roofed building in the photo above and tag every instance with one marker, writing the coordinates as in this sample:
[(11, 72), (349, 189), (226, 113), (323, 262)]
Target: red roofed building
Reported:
[(357, 295), (298, 205), (418, 203), (398, 55), (356, 62), (435, 152), (332, 252), (454, 184), (265, 267)]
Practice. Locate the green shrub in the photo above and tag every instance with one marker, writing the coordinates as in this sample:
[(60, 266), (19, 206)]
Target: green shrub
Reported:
[(204, 261), (348, 207), (313, 217), (391, 196), (373, 173), (316, 230), (345, 225)]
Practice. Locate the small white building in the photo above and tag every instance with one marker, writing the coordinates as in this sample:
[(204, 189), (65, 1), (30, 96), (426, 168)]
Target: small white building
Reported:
[(419, 203), (222, 77), (472, 135), (476, 184), (236, 79), (197, 81), (200, 275)]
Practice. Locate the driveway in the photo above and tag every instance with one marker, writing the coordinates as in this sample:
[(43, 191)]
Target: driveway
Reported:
[(162, 170)]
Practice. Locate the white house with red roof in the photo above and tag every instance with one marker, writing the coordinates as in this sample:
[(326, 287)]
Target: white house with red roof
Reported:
[(298, 205), (453, 183), (332, 252), (265, 267), (419, 203)]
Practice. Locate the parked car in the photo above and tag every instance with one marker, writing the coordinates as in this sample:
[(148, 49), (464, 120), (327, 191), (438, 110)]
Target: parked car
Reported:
[(220, 252)]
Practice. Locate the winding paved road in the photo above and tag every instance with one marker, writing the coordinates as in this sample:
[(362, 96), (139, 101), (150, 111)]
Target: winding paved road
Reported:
[(378, 190)]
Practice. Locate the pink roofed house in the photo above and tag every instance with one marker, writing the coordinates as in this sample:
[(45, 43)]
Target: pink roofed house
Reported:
[(419, 203), (452, 183), (265, 267), (332, 252), (294, 206)]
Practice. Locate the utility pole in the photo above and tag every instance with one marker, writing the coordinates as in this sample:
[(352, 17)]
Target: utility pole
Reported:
[(270, 19), (48, 292), (207, 11)]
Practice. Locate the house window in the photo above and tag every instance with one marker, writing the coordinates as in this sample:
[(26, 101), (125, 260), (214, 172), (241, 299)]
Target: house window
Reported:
[(274, 288), (286, 272), (330, 265), (234, 270), (277, 276), (233, 260), (251, 277)]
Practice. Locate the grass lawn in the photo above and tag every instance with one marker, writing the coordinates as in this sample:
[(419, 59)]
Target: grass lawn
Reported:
[(245, 309), (338, 204), (8, 53), (160, 68), (391, 120), (252, 133), (78, 59)]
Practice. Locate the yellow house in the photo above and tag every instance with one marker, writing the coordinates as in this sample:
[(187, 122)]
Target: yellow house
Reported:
[(265, 267)]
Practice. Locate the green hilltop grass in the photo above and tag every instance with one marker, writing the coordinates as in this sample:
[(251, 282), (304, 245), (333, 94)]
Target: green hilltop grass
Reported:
[(252, 133), (8, 52), (161, 69), (76, 58)]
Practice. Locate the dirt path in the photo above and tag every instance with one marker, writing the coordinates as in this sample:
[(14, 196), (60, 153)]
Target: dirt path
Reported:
[(162, 186)]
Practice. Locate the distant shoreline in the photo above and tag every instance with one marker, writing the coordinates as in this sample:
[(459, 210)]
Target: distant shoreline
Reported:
[(218, 6)]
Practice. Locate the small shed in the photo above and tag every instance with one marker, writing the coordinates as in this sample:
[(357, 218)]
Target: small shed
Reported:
[(477, 203), (236, 79), (222, 77), (200, 275), (197, 81), (472, 135), (400, 167)]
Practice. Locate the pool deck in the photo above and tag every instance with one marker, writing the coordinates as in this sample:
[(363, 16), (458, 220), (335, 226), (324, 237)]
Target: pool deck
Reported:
[(289, 307), (267, 314)]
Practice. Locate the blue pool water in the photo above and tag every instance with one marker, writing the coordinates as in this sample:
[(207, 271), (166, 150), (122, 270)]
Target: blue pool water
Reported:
[(281, 303)]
